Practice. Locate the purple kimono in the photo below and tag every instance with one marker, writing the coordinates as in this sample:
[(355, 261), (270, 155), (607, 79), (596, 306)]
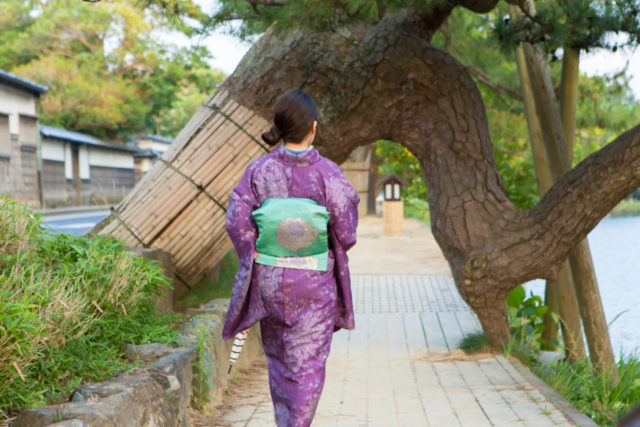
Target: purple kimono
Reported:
[(298, 309)]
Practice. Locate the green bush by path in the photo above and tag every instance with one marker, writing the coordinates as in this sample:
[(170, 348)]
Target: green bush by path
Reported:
[(68, 306), (206, 290), (418, 209)]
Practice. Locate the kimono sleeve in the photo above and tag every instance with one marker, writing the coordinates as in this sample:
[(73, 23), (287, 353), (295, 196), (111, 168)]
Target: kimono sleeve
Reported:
[(245, 307), (342, 204), (239, 222)]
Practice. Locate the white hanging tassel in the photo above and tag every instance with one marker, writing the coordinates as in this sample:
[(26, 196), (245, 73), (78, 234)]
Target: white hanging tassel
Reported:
[(236, 348)]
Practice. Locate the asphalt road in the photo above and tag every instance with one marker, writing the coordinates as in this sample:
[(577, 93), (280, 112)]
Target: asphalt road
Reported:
[(77, 223)]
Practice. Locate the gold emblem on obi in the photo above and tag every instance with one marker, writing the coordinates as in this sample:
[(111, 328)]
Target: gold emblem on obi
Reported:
[(295, 234)]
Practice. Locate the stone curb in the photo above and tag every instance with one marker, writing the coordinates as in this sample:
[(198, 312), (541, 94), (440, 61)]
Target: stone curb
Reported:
[(561, 403)]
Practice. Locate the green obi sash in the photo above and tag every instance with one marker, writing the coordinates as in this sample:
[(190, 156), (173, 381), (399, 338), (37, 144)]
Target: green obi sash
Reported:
[(292, 233)]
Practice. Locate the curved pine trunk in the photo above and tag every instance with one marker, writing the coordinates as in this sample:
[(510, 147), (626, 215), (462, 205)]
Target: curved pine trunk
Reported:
[(387, 81)]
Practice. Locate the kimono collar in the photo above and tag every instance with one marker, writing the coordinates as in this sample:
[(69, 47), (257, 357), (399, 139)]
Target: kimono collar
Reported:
[(296, 159)]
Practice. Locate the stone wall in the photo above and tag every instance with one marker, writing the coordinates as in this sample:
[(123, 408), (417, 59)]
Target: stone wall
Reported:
[(208, 321), (159, 392)]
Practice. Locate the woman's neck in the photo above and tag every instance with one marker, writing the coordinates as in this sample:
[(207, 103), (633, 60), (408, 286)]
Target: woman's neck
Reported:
[(297, 146)]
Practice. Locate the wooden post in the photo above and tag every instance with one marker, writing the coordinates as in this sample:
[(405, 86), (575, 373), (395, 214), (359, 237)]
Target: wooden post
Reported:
[(590, 303), (559, 295)]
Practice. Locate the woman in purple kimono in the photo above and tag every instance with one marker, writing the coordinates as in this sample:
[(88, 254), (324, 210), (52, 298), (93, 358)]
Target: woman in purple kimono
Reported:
[(298, 301)]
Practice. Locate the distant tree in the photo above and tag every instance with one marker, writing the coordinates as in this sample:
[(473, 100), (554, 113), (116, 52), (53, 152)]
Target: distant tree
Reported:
[(112, 67)]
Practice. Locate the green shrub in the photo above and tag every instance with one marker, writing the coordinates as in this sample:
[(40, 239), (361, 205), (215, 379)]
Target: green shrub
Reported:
[(526, 319), (475, 343), (417, 209), (589, 391), (206, 289), (68, 305)]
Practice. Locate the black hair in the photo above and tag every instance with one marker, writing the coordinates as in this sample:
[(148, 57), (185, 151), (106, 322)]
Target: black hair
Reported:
[(293, 116)]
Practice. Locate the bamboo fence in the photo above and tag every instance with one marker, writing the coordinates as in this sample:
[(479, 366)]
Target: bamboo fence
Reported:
[(180, 204)]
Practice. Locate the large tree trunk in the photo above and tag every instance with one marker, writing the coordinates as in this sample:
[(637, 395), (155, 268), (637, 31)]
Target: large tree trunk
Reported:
[(387, 81)]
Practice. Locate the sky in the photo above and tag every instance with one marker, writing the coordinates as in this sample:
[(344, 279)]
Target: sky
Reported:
[(228, 51)]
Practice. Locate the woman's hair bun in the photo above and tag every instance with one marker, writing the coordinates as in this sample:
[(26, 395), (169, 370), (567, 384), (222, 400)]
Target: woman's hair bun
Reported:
[(273, 136)]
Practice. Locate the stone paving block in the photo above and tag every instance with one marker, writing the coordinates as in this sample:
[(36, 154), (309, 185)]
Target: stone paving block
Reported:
[(493, 405), (450, 328), (433, 332), (414, 333), (259, 422), (239, 413), (515, 394), (464, 403), (384, 373), (351, 421), (468, 322)]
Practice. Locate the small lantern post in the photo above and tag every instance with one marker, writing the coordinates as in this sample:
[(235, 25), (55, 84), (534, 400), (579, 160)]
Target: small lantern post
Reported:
[(393, 206)]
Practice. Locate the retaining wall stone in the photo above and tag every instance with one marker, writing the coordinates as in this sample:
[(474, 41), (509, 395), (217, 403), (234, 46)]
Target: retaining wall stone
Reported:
[(159, 393), (210, 385)]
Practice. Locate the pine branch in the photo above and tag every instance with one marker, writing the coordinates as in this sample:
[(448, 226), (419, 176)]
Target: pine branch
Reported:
[(485, 79), (254, 4)]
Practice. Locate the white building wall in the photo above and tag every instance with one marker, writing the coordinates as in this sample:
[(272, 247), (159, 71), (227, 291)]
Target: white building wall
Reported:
[(68, 162), (110, 158), (52, 150), (159, 146), (83, 158), (16, 102)]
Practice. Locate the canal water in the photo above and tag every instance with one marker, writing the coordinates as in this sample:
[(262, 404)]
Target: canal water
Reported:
[(615, 248)]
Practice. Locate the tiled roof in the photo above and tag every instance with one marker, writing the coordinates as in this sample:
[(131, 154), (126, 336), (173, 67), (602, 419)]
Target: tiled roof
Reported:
[(82, 138), (156, 138), (22, 83), (147, 153)]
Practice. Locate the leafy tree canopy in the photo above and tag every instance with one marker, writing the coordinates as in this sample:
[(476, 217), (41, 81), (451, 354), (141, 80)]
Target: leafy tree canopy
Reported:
[(111, 67)]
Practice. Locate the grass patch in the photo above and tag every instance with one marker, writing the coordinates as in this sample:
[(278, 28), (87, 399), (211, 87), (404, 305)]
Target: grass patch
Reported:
[(68, 306), (207, 290), (475, 343), (592, 393), (417, 209)]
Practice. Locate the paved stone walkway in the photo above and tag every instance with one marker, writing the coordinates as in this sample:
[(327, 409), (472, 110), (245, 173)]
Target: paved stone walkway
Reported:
[(399, 367)]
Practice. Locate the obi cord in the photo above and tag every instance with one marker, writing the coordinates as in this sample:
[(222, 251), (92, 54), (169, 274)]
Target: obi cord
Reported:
[(292, 233)]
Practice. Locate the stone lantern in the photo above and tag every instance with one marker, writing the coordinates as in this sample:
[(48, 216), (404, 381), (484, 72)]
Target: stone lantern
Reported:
[(392, 207)]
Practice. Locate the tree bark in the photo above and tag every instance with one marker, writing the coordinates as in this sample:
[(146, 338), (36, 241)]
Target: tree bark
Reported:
[(386, 81)]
